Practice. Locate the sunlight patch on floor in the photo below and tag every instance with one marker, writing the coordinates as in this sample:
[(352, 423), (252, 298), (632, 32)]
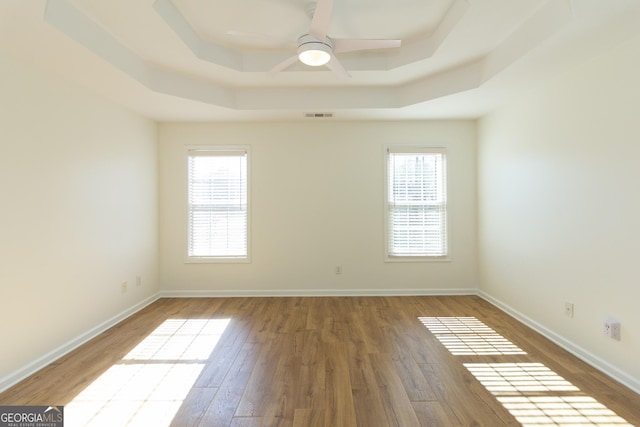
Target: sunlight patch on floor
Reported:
[(469, 336), (537, 396), (505, 378), (180, 339), (148, 386), (531, 392)]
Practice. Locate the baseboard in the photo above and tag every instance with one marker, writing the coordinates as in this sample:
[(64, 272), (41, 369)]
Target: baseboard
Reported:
[(33, 367), (313, 293), (584, 355)]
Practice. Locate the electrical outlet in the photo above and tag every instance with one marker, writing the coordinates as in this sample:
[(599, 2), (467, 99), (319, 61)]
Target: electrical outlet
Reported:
[(568, 309), (124, 287), (612, 328), (138, 281), (338, 269)]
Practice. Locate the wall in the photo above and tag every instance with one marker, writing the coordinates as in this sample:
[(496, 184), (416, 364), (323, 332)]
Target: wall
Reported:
[(559, 218), (78, 194), (317, 202)]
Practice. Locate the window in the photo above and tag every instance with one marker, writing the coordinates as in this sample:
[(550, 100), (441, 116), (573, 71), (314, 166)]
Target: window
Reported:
[(416, 204), (218, 226)]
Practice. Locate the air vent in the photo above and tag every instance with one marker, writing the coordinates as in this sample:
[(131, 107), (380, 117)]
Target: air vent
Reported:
[(318, 115)]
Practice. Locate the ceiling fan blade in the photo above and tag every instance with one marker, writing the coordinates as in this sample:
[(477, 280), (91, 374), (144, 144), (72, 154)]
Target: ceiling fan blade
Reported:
[(321, 19), (337, 67), (350, 45), (284, 64)]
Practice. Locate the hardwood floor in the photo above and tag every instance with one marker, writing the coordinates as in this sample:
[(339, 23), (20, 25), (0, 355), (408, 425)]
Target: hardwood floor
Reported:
[(338, 362)]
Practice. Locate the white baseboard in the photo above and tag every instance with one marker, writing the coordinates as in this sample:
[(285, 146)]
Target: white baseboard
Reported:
[(52, 356), (584, 355), (314, 293)]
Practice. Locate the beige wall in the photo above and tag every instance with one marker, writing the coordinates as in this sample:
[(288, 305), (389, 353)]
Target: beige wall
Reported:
[(78, 216), (317, 202), (559, 218)]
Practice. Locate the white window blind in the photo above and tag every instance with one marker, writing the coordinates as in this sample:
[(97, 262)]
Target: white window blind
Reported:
[(218, 205), (416, 202)]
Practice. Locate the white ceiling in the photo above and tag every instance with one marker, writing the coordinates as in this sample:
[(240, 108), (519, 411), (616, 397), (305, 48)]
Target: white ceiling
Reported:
[(174, 60)]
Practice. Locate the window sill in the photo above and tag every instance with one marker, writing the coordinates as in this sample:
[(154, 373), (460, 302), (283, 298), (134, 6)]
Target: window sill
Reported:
[(393, 259), (215, 260)]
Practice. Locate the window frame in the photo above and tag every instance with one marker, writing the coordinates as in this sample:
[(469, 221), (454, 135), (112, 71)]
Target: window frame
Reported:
[(409, 149), (217, 259)]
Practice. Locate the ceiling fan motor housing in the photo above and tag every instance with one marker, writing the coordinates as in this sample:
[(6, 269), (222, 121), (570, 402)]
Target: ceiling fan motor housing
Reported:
[(309, 39)]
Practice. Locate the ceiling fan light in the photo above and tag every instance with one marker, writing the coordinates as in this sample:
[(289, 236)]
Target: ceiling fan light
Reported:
[(314, 54)]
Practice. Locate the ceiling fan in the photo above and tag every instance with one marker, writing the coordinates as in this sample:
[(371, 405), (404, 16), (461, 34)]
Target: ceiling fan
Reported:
[(316, 48)]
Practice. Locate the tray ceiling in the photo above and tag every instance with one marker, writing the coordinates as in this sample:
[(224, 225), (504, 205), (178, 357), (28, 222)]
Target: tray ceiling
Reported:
[(181, 60)]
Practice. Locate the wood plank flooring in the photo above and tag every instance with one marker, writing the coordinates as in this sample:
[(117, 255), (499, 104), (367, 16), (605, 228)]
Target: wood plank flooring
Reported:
[(325, 362)]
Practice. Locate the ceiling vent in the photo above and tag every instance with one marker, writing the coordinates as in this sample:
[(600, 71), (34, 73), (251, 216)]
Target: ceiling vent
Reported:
[(319, 115)]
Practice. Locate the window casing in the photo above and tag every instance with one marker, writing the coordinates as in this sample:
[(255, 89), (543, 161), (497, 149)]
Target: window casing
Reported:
[(218, 204), (416, 204)]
